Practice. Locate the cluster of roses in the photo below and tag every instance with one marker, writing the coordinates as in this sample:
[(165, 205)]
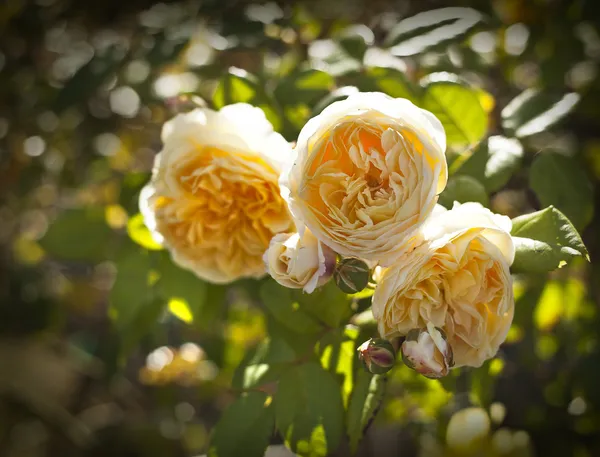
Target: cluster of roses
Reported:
[(230, 198)]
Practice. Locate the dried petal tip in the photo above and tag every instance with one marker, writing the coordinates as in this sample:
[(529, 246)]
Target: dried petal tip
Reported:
[(351, 275), (377, 355), (427, 352)]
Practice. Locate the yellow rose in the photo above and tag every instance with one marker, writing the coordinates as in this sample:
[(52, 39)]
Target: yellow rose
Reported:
[(366, 175), (214, 200), (458, 280), (297, 261)]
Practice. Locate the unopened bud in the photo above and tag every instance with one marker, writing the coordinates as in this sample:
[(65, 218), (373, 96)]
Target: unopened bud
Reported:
[(351, 275), (377, 355), (427, 352)]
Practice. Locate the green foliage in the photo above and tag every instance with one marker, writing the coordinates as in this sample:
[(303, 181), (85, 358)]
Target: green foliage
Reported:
[(457, 106), (139, 233), (78, 234), (304, 86), (545, 240), (237, 86), (284, 361), (416, 34), (287, 311), (495, 160), (365, 399), (308, 397), (462, 189), (560, 181), (533, 111), (244, 428)]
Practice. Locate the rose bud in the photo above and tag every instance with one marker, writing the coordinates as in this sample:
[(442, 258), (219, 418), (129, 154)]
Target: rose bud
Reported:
[(299, 261), (427, 352), (351, 275), (377, 355)]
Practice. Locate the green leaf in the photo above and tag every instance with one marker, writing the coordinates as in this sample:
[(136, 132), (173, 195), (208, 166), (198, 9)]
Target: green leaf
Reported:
[(139, 233), (309, 397), (458, 108), (244, 429), (180, 284), (239, 86), (504, 158), (330, 54), (265, 363), (326, 304), (236, 86), (391, 81), (415, 34), (545, 240), (560, 181), (304, 86), (364, 401), (78, 234), (286, 310), (355, 40), (533, 111), (494, 161), (132, 287), (463, 188), (337, 351), (135, 306)]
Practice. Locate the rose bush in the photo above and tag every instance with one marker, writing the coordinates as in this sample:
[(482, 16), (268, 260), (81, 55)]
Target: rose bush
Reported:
[(314, 276)]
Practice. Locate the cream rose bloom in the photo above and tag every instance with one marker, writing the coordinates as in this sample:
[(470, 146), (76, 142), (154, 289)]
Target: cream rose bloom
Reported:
[(214, 199), (457, 280), (299, 261), (366, 175)]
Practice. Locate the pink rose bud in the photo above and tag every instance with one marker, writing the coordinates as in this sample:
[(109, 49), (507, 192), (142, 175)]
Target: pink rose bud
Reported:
[(377, 355), (427, 352)]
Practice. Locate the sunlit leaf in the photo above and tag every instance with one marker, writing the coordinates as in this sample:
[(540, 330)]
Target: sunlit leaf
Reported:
[(364, 401), (185, 292), (533, 111), (494, 161), (390, 81), (265, 363), (550, 306), (457, 107), (337, 356), (138, 232), (308, 397), (560, 181), (236, 86), (329, 55), (244, 428), (181, 310), (356, 39), (305, 86), (544, 240), (415, 34)]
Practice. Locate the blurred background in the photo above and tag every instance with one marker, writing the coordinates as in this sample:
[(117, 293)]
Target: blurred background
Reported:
[(95, 360)]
